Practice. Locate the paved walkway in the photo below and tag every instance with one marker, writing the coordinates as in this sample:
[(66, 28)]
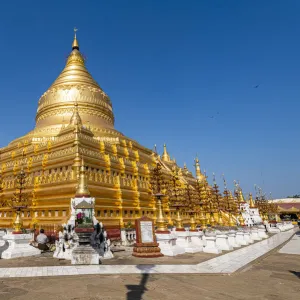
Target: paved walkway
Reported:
[(226, 264), (293, 246)]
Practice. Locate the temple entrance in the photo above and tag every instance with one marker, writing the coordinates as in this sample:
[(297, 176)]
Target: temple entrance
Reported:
[(288, 217)]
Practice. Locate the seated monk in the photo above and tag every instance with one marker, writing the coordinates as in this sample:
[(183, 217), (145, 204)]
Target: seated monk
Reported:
[(42, 241)]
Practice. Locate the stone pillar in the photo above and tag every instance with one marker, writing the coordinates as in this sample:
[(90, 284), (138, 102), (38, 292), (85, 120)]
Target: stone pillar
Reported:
[(262, 233), (167, 244), (222, 242), (184, 241), (211, 245), (196, 238), (240, 238), (232, 241), (255, 236), (247, 238)]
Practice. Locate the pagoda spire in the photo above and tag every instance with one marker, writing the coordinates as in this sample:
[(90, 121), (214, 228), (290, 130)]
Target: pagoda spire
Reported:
[(239, 192), (251, 202), (199, 175), (82, 188), (75, 44), (165, 156), (241, 196)]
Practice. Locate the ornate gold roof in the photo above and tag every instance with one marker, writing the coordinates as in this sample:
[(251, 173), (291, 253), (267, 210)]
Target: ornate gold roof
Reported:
[(74, 85)]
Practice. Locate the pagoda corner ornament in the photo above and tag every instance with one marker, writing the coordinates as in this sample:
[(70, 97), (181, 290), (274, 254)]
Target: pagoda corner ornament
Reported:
[(146, 245)]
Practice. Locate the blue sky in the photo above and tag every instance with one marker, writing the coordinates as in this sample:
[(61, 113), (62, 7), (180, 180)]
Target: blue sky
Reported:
[(169, 66)]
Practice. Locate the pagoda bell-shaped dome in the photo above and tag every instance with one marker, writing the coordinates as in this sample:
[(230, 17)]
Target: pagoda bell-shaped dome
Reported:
[(74, 85)]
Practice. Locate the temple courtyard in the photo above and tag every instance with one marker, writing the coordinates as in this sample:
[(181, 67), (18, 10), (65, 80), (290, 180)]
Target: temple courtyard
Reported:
[(268, 269)]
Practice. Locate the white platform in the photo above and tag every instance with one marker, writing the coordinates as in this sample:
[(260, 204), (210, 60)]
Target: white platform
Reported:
[(224, 264), (19, 246)]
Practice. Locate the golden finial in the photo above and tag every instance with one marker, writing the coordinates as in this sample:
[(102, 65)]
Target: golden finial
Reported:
[(240, 196), (82, 188), (184, 166), (199, 176), (165, 156), (75, 44), (214, 177), (251, 202), (224, 181)]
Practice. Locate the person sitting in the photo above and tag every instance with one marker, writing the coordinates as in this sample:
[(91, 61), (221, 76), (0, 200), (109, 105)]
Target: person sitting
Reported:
[(42, 241)]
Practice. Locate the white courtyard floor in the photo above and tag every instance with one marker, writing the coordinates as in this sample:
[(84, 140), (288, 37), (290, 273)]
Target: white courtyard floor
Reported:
[(224, 264)]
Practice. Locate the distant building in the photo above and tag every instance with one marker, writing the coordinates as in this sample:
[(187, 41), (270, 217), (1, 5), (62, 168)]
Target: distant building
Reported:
[(289, 208)]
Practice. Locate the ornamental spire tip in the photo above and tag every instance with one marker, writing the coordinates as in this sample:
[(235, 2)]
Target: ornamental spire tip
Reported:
[(75, 44)]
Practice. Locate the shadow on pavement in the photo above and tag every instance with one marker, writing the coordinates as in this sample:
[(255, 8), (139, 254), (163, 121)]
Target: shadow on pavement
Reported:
[(295, 273), (135, 292)]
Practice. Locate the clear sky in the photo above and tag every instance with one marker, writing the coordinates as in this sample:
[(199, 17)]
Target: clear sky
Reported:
[(170, 66)]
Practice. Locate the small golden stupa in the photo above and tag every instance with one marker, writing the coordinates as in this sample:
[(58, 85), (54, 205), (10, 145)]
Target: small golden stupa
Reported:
[(75, 120)]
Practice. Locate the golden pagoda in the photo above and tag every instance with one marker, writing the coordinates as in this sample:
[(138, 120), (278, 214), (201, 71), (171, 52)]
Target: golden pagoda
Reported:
[(75, 122)]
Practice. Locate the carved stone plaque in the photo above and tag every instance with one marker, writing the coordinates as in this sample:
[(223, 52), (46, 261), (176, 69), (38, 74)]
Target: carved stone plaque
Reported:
[(146, 244), (146, 231)]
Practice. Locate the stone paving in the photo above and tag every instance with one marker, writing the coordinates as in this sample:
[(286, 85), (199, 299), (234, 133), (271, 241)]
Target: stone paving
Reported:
[(275, 277), (224, 264), (293, 246)]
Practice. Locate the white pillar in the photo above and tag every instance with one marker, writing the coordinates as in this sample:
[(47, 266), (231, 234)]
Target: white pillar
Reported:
[(222, 242), (211, 245), (196, 238), (240, 238), (247, 237), (255, 236), (262, 233), (184, 241), (167, 244), (232, 241)]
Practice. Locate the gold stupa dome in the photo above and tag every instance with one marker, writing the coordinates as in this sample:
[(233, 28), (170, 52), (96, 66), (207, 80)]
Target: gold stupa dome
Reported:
[(74, 85)]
